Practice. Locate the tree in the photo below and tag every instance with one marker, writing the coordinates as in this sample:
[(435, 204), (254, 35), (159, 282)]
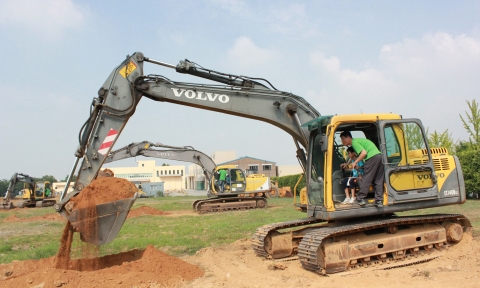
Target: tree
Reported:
[(414, 136), (445, 140), (473, 119), (468, 152), (74, 178), (164, 164), (3, 187), (47, 178)]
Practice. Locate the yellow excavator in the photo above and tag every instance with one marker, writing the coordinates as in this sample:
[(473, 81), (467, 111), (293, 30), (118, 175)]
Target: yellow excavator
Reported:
[(240, 191), (34, 194), (332, 237)]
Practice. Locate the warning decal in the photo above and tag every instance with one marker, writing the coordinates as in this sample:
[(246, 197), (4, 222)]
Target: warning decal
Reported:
[(108, 142), (127, 69)]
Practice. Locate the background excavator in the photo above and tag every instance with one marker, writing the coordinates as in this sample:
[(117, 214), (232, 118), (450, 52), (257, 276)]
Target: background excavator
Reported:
[(240, 192), (34, 195), (333, 237)]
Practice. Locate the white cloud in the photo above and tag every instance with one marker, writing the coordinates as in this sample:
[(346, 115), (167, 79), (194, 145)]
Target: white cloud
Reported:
[(51, 18), (245, 53), (347, 83), (429, 78)]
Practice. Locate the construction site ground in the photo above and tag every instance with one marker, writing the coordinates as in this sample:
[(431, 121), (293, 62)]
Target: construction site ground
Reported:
[(165, 244)]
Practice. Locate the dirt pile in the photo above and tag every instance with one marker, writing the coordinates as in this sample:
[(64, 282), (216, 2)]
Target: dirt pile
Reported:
[(235, 265), (136, 268), (103, 190), (145, 210), (99, 191)]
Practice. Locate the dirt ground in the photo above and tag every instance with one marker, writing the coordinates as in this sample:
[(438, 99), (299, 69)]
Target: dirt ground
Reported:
[(234, 265)]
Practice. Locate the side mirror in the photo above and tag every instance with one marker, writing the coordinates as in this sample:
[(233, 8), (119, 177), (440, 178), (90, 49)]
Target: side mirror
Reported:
[(324, 143)]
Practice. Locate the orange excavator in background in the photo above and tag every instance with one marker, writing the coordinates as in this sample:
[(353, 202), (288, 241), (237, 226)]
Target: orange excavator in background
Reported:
[(333, 237)]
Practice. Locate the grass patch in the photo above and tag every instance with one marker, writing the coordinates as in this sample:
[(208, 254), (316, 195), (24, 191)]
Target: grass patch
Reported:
[(176, 235)]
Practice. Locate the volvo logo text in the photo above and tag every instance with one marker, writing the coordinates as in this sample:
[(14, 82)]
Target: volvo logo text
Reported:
[(200, 95), (165, 154)]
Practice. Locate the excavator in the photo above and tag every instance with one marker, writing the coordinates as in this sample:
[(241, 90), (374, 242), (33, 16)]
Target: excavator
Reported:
[(332, 237), (33, 195), (240, 193)]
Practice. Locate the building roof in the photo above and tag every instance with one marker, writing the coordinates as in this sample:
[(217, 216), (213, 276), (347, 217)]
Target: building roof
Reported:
[(225, 163)]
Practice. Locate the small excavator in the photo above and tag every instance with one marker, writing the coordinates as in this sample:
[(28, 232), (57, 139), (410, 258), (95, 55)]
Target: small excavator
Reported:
[(33, 196), (238, 193), (333, 237)]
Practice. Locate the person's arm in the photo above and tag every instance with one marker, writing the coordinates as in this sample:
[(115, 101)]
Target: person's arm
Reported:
[(344, 165), (360, 157)]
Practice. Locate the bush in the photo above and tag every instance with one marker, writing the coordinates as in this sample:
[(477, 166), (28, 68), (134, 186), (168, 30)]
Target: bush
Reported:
[(159, 194), (290, 181), (469, 160)]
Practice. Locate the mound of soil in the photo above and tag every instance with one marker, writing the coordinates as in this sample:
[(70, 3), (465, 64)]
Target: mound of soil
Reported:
[(103, 190), (99, 191), (145, 210), (136, 268), (236, 265)]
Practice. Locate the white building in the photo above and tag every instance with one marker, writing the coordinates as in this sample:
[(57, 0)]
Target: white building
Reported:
[(147, 171)]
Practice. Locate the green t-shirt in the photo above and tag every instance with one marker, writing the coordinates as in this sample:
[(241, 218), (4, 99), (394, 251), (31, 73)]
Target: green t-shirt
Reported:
[(360, 144), (222, 175)]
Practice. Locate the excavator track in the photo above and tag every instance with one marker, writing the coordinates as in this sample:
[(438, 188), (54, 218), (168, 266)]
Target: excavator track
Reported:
[(319, 252), (214, 205), (259, 238)]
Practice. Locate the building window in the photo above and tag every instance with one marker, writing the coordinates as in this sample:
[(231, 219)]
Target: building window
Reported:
[(267, 167), (178, 172), (143, 165), (253, 167), (158, 173), (169, 172)]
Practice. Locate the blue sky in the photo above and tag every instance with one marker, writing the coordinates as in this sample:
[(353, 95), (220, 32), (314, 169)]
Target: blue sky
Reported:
[(419, 59)]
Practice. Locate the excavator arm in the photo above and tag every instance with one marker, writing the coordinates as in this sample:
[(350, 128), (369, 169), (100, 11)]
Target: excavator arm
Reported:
[(185, 153), (120, 94)]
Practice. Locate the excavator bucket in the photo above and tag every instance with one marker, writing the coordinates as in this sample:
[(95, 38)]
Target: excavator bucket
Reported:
[(101, 225)]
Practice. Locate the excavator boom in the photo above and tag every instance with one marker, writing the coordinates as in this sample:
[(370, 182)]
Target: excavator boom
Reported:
[(147, 149), (120, 94)]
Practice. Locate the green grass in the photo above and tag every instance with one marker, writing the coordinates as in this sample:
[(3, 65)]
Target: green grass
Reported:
[(179, 235)]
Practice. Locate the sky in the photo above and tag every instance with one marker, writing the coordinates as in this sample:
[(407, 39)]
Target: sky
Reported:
[(419, 59)]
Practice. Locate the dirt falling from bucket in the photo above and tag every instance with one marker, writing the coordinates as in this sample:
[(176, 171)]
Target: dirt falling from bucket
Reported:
[(100, 191), (63, 255)]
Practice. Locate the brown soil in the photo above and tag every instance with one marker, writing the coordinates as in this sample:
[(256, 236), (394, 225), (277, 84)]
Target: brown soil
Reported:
[(136, 268), (99, 191), (145, 210), (235, 265), (48, 217), (103, 190)]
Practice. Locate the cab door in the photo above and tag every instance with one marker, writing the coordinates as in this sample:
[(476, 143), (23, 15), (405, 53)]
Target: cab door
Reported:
[(236, 181), (409, 169)]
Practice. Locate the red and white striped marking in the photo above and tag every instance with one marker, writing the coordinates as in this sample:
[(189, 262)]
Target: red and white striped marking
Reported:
[(108, 142)]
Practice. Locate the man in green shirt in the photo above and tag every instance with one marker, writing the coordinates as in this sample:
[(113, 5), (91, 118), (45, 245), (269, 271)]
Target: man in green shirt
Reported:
[(374, 172), (222, 175)]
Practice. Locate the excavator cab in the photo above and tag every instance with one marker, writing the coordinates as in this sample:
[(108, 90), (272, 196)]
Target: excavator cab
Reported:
[(234, 183), (416, 176)]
